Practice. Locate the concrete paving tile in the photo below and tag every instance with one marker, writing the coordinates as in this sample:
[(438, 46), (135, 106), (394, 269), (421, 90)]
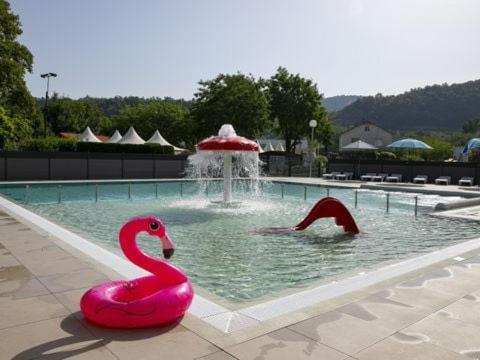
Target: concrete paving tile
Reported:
[(219, 355), (45, 266), (76, 279), (448, 333), (341, 331), (395, 348), (384, 313), (22, 288), (418, 297), (7, 259), (20, 311), (284, 344), (20, 243), (168, 342), (454, 280), (466, 309), (14, 272), (51, 339)]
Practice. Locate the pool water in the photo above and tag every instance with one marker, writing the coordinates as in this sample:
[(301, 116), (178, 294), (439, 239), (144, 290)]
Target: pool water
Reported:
[(217, 247)]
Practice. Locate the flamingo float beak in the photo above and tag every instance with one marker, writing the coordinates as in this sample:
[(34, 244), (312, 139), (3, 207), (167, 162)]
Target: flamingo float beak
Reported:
[(168, 246), (167, 253)]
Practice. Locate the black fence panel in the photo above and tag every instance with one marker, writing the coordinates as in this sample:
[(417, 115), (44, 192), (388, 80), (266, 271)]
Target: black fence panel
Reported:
[(25, 166)]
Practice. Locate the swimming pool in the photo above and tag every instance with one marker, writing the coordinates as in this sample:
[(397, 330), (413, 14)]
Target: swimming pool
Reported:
[(217, 247)]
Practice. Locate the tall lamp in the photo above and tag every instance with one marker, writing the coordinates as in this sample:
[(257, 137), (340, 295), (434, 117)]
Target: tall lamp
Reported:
[(46, 76), (313, 124)]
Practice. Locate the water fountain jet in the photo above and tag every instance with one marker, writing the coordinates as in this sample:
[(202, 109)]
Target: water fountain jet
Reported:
[(226, 154)]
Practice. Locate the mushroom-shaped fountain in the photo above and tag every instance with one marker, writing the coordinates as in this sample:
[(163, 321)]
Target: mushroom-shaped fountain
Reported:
[(217, 152)]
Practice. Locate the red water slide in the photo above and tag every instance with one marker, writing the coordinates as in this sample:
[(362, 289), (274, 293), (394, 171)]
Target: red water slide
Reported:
[(330, 207)]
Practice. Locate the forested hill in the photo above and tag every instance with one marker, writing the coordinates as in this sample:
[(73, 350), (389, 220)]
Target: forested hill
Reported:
[(438, 107), (335, 103)]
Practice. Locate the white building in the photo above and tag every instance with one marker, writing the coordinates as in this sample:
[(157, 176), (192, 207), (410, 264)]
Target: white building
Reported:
[(368, 132)]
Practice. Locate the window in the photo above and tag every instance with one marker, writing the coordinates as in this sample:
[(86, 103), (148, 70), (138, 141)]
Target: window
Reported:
[(367, 128)]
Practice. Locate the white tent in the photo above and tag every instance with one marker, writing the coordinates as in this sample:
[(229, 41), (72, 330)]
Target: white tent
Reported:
[(157, 138), (260, 149), (269, 147), (279, 147), (88, 136), (131, 137), (358, 145), (115, 138)]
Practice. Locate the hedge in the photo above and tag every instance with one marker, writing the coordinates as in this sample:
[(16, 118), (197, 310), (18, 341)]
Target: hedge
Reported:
[(67, 145), (124, 148)]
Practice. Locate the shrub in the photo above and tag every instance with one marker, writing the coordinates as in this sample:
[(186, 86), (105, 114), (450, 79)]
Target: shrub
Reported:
[(386, 155), (68, 145), (47, 144), (124, 148)]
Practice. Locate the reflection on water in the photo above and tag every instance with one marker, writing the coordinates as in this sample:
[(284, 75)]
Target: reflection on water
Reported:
[(219, 250)]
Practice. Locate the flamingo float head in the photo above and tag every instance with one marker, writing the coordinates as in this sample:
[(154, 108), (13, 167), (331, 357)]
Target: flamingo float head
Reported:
[(153, 226)]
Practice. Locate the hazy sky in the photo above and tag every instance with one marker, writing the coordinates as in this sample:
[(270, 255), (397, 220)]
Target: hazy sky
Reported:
[(163, 48)]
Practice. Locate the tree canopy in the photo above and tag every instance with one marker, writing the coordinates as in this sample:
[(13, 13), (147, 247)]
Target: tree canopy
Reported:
[(230, 99), (67, 115), (15, 60), (294, 101), (171, 118)]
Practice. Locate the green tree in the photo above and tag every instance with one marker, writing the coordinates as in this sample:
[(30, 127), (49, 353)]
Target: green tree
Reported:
[(230, 99), (67, 115), (294, 101), (15, 61), (442, 150), (12, 129), (170, 118)]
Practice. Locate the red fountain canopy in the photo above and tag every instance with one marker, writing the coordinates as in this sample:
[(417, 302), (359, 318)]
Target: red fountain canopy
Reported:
[(228, 140)]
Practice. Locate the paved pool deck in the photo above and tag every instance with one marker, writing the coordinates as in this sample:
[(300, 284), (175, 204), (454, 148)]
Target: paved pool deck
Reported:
[(429, 313)]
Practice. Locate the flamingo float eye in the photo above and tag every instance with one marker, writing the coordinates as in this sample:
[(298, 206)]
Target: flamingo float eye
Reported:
[(154, 226)]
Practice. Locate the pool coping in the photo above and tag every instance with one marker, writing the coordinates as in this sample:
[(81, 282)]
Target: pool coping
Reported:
[(229, 321)]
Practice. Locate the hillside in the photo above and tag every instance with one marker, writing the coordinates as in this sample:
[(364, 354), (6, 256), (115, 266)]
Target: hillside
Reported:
[(335, 103), (438, 107)]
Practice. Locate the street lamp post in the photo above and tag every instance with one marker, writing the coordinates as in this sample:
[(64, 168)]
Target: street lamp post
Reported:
[(45, 120), (313, 124)]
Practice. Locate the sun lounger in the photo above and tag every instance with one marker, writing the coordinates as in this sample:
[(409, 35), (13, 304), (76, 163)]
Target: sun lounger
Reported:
[(331, 175), (466, 181), (443, 180), (420, 179), (367, 176), (344, 176), (394, 178), (380, 177)]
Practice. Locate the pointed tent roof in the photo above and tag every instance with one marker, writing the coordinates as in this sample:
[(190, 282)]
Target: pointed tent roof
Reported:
[(115, 138), (88, 136), (269, 147), (131, 137), (157, 138), (358, 146), (279, 147), (260, 149)]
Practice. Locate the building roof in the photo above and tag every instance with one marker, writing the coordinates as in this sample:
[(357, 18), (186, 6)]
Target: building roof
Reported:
[(363, 124)]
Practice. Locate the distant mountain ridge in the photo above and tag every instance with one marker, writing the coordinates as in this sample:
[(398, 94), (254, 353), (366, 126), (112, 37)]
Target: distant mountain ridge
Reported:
[(335, 103), (433, 108)]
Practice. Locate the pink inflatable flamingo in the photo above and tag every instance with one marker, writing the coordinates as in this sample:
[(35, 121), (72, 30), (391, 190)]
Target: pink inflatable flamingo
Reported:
[(147, 301)]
